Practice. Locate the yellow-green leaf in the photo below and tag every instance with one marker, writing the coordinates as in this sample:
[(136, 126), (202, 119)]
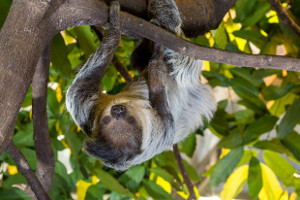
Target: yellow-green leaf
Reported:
[(271, 189), (235, 183)]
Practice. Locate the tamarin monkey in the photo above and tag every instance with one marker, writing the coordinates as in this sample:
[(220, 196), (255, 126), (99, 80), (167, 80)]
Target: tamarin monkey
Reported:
[(158, 109)]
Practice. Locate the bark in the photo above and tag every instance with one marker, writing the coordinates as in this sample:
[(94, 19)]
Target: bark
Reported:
[(184, 174), (44, 152), (284, 16), (198, 16), (26, 171)]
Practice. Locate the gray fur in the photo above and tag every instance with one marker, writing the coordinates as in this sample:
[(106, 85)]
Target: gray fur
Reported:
[(189, 100)]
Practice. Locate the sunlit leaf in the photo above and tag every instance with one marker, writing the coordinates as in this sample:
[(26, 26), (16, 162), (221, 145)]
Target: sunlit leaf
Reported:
[(156, 191), (235, 182), (271, 187), (281, 167), (220, 36)]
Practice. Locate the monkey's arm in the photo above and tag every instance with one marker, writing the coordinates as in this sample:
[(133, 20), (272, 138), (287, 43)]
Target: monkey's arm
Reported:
[(157, 72), (84, 91)]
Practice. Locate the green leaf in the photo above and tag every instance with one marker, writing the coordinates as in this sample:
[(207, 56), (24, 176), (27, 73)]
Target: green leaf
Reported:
[(292, 141), (133, 177), (246, 91), (244, 116), (234, 139), (219, 122), (234, 184), (225, 166), (94, 193), (254, 178), (73, 142), (220, 36), (111, 183), (260, 126), (12, 180), (59, 56), (24, 138), (274, 145), (12, 194), (281, 167), (167, 176), (4, 7), (260, 11), (290, 119), (188, 146), (243, 9), (274, 92), (193, 175), (279, 107), (109, 79), (30, 156), (155, 190), (254, 36), (246, 74), (85, 38)]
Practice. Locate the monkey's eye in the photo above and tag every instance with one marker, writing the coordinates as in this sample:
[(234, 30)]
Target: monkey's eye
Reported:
[(106, 120), (131, 120)]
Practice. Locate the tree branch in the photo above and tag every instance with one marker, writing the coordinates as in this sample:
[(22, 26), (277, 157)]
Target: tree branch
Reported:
[(132, 25), (26, 171), (284, 17), (44, 152), (119, 66), (185, 176)]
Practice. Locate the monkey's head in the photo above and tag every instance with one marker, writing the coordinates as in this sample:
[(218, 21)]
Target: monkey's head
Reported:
[(120, 129)]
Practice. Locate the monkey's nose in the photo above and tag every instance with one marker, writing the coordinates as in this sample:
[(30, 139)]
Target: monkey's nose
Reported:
[(118, 111)]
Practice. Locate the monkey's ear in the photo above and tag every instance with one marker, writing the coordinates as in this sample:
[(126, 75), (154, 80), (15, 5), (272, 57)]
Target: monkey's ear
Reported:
[(140, 57)]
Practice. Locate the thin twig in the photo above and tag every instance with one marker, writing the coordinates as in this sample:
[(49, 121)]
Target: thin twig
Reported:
[(25, 169), (44, 152), (119, 66), (185, 176), (284, 16)]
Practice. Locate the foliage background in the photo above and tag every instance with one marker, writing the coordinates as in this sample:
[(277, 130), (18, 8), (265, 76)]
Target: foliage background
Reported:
[(257, 122)]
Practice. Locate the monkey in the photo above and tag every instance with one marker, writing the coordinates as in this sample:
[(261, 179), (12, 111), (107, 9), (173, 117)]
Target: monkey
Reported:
[(152, 113)]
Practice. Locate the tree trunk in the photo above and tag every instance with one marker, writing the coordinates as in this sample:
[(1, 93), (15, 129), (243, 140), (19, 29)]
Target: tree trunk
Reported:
[(22, 40)]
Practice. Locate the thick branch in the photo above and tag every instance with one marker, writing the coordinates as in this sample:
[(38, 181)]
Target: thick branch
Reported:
[(132, 25), (44, 152), (25, 169), (185, 176), (284, 17)]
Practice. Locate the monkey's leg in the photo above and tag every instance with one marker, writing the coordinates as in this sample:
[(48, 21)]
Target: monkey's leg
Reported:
[(84, 91)]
